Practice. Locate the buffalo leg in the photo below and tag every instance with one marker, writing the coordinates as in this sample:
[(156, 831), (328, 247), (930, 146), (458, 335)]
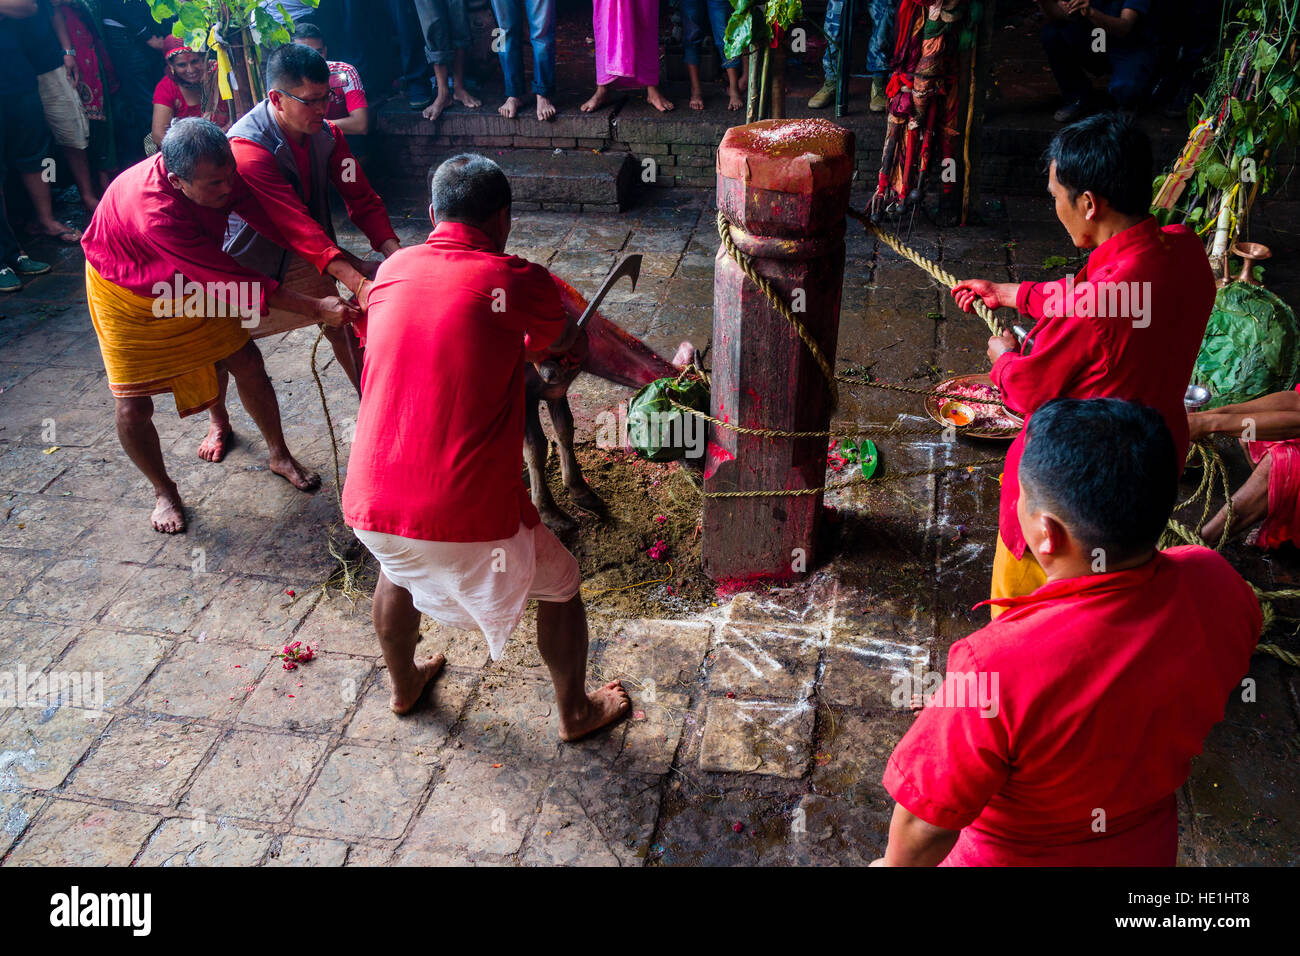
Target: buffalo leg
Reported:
[(535, 448), (580, 492)]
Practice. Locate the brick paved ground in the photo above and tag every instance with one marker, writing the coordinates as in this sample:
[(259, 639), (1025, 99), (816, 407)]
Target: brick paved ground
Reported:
[(207, 751)]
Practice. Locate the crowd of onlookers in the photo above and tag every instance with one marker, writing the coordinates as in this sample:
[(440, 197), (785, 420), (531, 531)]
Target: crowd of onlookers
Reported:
[(89, 87)]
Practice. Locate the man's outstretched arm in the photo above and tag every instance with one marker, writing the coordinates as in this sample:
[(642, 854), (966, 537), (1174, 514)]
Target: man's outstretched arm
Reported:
[(913, 842)]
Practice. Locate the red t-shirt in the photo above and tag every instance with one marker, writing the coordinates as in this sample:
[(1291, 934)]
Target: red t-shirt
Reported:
[(438, 452), (145, 231), (347, 95), (1078, 351), (168, 93), (305, 236), (1097, 693)]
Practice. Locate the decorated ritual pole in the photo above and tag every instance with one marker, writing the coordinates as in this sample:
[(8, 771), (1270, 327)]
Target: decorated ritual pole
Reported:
[(783, 190)]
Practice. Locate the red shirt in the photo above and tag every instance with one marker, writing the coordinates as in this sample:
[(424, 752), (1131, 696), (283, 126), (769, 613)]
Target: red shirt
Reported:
[(303, 234), (438, 452), (347, 95), (168, 93), (1077, 350), (145, 231), (1106, 686)]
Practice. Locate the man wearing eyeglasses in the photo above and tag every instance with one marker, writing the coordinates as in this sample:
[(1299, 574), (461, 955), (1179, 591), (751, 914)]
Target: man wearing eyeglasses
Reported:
[(290, 156)]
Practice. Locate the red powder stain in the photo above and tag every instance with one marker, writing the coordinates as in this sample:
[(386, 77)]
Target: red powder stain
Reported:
[(729, 587)]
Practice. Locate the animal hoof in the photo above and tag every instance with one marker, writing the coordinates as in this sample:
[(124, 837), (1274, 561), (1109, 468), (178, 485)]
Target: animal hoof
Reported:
[(588, 500), (557, 520)]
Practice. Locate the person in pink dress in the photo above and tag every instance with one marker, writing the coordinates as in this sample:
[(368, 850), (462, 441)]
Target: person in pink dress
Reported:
[(1269, 430), (627, 50)]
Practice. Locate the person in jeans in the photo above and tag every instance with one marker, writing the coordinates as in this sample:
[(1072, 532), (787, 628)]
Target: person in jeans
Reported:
[(445, 25), (539, 16), (1071, 38), (878, 52), (698, 16)]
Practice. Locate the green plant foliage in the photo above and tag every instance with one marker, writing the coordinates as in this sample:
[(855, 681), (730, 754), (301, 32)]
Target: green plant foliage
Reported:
[(1251, 346), (195, 18), (1262, 119), (745, 29)]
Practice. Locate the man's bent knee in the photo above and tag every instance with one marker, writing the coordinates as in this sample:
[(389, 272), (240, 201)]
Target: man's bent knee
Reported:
[(246, 360), (133, 411)]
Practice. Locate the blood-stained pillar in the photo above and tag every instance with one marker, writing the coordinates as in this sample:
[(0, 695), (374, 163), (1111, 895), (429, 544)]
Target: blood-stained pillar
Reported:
[(784, 187)]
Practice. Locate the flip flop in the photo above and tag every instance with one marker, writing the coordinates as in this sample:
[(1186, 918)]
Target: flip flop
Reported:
[(69, 236)]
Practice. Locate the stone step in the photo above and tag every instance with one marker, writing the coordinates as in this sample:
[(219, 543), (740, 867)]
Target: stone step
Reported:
[(563, 180)]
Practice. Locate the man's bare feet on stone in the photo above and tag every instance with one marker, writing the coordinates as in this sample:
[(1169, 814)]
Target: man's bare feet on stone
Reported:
[(658, 100), (545, 109), (168, 516), (467, 99), (598, 99), (434, 109), (405, 698), (217, 443), (604, 707), (697, 98), (510, 108), (294, 473), (734, 102)]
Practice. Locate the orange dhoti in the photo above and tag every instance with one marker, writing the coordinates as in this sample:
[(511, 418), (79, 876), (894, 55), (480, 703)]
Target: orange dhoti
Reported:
[(1012, 577), (150, 346)]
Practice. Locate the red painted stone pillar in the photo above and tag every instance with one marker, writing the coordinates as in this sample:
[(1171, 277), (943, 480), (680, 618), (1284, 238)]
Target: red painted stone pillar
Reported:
[(784, 185)]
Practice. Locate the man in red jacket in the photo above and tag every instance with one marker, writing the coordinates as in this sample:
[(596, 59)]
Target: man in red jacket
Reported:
[(1127, 326), (434, 487), (1063, 729)]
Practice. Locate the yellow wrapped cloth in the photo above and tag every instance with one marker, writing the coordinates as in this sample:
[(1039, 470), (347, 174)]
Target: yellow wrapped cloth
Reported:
[(145, 354), (1012, 578)]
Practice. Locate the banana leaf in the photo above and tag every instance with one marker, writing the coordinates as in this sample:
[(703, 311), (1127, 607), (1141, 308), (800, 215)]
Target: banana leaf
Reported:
[(656, 429), (1251, 346)]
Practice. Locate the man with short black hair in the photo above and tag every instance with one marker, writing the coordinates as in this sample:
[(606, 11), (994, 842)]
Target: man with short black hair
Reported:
[(348, 108), (290, 155), (1062, 730), (171, 309), (1128, 325), (434, 488)]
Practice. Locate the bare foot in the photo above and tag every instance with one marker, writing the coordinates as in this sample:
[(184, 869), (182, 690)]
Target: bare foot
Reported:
[(510, 108), (697, 99), (168, 516), (218, 442), (434, 109), (404, 699), (598, 99), (607, 705), (734, 102), (658, 100), (294, 473), (545, 109), (466, 99)]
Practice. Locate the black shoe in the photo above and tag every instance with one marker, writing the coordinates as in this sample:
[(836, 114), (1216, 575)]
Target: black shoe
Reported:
[(418, 98), (1071, 112)]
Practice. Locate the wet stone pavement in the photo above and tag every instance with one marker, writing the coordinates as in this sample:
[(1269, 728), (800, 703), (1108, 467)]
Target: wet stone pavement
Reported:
[(771, 711)]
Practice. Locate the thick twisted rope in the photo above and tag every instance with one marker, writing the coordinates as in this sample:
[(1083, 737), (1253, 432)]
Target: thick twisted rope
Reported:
[(778, 303), (930, 268), (892, 476)]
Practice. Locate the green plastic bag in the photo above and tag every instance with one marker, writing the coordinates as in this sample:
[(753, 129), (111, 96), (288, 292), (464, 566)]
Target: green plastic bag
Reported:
[(660, 432), (1251, 346)]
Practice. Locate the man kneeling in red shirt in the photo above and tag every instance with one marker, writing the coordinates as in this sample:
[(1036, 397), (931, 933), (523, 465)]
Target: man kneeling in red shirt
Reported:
[(1063, 729), (435, 488)]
